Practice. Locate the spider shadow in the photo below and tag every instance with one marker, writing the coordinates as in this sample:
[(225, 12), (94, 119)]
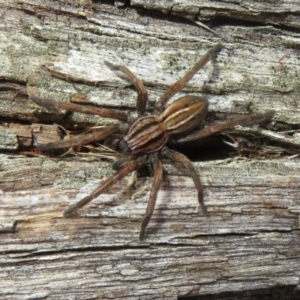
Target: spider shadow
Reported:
[(213, 75)]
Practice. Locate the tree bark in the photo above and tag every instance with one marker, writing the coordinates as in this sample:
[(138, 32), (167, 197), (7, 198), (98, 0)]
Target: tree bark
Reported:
[(250, 242)]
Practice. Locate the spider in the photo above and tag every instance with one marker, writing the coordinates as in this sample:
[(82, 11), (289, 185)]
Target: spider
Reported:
[(146, 139)]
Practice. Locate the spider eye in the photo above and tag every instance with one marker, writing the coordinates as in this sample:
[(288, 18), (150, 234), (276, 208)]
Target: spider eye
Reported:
[(122, 145)]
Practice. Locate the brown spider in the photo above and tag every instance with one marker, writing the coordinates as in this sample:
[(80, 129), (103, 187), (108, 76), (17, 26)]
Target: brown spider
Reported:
[(146, 139)]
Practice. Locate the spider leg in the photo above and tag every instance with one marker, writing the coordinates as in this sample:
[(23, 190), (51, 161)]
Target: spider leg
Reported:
[(179, 85), (174, 155), (158, 173), (223, 126), (81, 139), (92, 110), (131, 166), (142, 92)]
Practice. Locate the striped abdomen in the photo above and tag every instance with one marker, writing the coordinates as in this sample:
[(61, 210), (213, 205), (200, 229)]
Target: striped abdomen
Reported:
[(149, 134)]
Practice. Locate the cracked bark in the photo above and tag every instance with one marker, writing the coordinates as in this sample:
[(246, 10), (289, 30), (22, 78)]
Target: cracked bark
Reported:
[(251, 240)]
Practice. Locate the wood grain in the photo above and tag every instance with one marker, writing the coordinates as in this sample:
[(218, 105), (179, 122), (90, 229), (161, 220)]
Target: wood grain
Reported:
[(57, 50)]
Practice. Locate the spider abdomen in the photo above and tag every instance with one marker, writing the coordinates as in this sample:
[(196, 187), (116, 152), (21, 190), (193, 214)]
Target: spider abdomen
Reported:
[(184, 114), (149, 134)]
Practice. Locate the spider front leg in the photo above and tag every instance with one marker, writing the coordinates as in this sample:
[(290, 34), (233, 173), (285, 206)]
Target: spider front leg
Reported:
[(158, 173), (142, 92), (130, 167), (174, 155)]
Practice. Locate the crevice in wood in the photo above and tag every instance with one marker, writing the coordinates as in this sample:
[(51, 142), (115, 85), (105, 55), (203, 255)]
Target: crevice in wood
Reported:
[(273, 293)]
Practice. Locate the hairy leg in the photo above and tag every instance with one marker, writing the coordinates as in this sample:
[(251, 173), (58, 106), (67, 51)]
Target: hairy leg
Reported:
[(103, 112), (174, 155), (180, 84), (142, 92), (81, 139), (131, 166), (158, 173), (223, 126)]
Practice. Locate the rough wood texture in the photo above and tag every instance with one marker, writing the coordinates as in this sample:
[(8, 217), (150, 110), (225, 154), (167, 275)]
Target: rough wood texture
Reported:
[(57, 50)]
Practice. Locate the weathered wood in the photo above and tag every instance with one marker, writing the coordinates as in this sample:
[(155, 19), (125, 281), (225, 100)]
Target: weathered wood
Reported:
[(19, 136), (263, 12), (57, 50)]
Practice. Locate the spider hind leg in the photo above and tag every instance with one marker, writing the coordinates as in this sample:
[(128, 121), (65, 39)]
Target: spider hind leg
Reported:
[(139, 85)]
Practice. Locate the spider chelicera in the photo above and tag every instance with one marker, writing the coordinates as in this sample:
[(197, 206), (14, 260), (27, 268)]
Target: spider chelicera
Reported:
[(146, 139)]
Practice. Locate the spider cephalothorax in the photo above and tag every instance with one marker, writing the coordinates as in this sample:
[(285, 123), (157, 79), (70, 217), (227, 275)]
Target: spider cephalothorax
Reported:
[(147, 137)]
